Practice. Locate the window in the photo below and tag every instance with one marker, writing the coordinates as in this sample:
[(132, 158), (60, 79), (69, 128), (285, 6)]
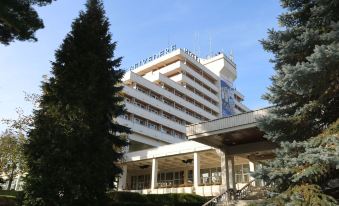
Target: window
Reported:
[(178, 178), (170, 179), (139, 104), (140, 121), (140, 182), (169, 102), (210, 176), (143, 90), (166, 130), (179, 107), (242, 173), (167, 116), (152, 125), (190, 176), (153, 95), (177, 135), (126, 116), (154, 110)]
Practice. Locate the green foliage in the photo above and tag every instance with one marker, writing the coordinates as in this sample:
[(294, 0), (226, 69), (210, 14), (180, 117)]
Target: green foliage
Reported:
[(75, 142), (135, 199), (7, 200), (11, 197), (19, 20), (12, 161), (305, 94), (126, 197)]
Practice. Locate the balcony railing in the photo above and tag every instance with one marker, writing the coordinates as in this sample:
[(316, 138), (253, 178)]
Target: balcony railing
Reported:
[(225, 122)]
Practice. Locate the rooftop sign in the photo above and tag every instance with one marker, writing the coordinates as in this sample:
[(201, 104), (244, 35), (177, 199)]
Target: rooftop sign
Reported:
[(154, 56)]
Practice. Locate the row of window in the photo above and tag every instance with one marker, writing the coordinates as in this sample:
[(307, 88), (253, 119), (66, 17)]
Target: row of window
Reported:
[(154, 125), (170, 102), (197, 92), (154, 110), (191, 100), (201, 73), (201, 84), (209, 176)]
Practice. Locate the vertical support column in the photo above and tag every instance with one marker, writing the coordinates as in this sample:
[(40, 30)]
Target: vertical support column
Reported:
[(227, 168), (154, 177), (196, 170), (223, 169), (232, 173), (185, 176), (252, 168), (123, 178)]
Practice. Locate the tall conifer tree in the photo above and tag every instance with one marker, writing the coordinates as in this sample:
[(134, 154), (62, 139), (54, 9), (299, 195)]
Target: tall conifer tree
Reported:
[(305, 93), (74, 146)]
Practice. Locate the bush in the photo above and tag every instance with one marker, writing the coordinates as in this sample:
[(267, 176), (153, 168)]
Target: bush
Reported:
[(11, 197), (126, 197), (136, 199)]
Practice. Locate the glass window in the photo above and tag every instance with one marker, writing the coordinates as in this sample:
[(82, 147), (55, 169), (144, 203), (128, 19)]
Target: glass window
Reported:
[(242, 173)]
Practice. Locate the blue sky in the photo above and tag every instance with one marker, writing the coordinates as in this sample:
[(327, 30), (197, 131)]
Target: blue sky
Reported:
[(146, 27)]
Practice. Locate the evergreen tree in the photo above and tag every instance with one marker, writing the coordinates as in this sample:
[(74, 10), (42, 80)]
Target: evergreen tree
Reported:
[(74, 145), (305, 93), (19, 20)]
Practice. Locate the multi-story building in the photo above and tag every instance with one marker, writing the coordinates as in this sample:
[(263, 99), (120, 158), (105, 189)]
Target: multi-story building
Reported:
[(174, 95), (174, 88)]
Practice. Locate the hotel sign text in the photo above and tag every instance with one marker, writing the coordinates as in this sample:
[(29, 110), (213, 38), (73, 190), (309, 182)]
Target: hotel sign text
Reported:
[(153, 57)]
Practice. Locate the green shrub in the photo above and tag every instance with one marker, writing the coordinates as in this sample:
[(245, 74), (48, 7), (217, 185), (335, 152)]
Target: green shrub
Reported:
[(8, 193), (7, 200), (11, 197), (136, 199), (126, 197)]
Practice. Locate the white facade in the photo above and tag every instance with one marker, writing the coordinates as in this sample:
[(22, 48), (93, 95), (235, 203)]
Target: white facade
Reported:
[(176, 89)]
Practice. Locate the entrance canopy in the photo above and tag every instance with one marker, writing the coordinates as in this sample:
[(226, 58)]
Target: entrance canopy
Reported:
[(235, 135)]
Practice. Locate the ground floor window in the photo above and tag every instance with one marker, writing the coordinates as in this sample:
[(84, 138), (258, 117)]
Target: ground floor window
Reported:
[(170, 179), (190, 177), (242, 173), (210, 176), (140, 182)]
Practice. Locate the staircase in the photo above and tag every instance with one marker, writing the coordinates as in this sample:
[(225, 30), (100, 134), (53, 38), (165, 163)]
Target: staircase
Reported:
[(246, 195)]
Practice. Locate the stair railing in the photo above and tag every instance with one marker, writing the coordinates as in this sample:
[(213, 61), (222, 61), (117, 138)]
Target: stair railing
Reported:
[(225, 197), (245, 190)]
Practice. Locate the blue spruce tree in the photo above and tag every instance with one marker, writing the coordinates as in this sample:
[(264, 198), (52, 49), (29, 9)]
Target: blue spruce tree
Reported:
[(305, 93)]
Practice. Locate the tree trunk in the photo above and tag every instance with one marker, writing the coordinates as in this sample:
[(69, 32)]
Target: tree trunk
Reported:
[(11, 177)]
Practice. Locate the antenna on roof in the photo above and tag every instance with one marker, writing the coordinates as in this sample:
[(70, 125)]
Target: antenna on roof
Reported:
[(198, 42), (168, 41), (231, 56), (210, 41), (195, 43)]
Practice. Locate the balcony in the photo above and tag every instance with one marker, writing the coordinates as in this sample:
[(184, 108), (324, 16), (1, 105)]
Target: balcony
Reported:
[(132, 108), (144, 130), (162, 78), (156, 88)]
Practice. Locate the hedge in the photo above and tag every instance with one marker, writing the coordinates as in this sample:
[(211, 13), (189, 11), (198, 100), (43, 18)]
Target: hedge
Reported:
[(136, 199), (12, 198)]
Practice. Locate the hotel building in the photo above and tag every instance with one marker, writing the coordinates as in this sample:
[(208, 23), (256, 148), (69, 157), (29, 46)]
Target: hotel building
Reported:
[(176, 89), (165, 95)]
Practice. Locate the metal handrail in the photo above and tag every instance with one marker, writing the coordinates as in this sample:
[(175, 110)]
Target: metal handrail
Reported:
[(244, 190), (225, 195), (229, 193)]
